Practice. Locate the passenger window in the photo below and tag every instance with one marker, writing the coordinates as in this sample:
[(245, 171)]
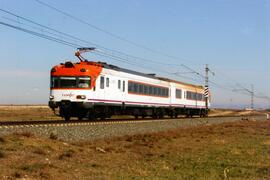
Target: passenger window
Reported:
[(178, 93), (135, 88), (101, 82), (163, 92), (107, 82), (155, 91), (150, 90), (145, 90), (124, 84), (119, 84), (158, 91), (130, 86), (140, 88)]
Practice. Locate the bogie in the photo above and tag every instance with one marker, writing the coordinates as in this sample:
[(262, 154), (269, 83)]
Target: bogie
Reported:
[(103, 112)]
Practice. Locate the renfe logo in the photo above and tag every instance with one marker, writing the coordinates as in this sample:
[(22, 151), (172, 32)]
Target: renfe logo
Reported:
[(68, 95)]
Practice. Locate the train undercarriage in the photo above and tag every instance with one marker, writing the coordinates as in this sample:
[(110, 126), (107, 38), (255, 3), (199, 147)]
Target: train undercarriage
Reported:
[(92, 111)]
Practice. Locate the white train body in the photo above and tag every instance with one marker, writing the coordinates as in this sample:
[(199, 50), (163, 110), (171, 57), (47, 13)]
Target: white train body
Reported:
[(114, 90)]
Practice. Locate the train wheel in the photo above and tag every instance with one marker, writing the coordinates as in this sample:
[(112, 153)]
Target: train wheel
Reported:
[(91, 114), (80, 118), (172, 113), (67, 117), (91, 117), (144, 114), (103, 116), (160, 114), (154, 116), (136, 113), (201, 115)]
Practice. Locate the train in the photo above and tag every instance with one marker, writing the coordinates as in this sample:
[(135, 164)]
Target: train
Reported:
[(97, 90)]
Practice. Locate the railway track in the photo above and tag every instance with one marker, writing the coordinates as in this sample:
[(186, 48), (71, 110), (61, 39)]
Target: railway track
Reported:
[(76, 130), (106, 121)]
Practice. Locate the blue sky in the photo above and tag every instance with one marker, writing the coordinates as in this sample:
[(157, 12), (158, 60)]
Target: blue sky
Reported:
[(232, 36)]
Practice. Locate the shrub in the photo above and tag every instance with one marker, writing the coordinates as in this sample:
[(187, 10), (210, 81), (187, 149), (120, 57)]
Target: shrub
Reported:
[(25, 134), (53, 136), (39, 151), (2, 140), (66, 154), (17, 175), (2, 155)]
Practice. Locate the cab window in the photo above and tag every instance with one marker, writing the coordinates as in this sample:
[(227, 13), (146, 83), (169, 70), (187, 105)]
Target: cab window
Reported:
[(54, 82), (84, 82), (68, 82)]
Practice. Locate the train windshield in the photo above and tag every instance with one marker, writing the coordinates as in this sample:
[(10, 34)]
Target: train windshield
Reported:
[(70, 82), (54, 82), (67, 82), (84, 82)]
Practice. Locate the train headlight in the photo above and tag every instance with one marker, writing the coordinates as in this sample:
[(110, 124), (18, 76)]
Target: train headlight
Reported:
[(51, 97), (81, 97)]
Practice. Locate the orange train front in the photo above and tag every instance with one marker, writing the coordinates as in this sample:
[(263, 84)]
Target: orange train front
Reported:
[(99, 90)]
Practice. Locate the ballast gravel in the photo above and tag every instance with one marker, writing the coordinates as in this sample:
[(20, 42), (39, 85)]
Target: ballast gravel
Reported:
[(96, 130)]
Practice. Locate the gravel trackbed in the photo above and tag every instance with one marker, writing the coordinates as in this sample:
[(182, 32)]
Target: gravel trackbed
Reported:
[(96, 130)]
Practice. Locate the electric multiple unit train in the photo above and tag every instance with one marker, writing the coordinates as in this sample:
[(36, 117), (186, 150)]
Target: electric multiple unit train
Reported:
[(98, 90)]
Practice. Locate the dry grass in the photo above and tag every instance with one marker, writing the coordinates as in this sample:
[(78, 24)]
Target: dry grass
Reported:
[(26, 113), (231, 150), (2, 155), (235, 112)]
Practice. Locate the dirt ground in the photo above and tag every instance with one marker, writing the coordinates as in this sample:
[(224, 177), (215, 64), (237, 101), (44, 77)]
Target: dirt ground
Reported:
[(43, 112), (239, 150)]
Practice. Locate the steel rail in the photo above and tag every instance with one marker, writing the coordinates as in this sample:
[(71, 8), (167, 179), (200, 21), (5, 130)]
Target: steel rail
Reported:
[(124, 120)]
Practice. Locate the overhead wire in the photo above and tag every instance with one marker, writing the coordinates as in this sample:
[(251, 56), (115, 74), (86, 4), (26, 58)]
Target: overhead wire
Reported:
[(127, 56), (36, 28), (104, 54), (91, 25), (74, 45), (237, 84), (40, 35), (98, 46), (101, 53)]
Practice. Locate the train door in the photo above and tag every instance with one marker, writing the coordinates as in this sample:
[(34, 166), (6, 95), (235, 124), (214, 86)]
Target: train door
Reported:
[(101, 86), (107, 90), (172, 94), (196, 99), (123, 90)]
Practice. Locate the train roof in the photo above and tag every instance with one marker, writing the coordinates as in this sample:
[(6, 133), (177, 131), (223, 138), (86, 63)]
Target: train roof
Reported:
[(153, 76)]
